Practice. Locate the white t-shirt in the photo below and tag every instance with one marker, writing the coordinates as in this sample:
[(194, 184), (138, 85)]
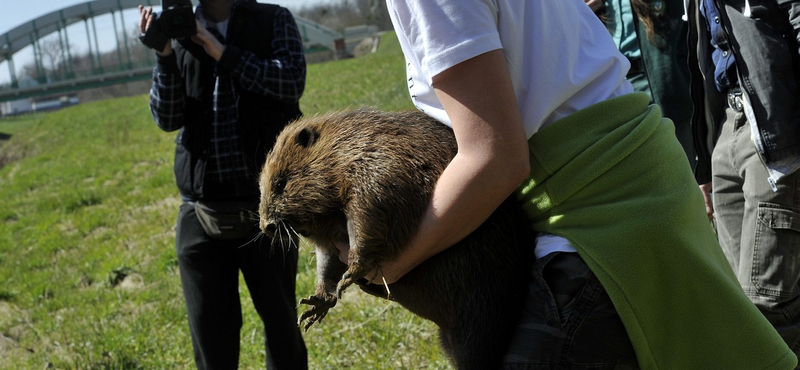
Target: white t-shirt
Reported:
[(560, 56)]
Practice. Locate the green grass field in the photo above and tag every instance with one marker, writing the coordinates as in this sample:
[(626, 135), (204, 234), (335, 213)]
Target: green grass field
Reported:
[(88, 273)]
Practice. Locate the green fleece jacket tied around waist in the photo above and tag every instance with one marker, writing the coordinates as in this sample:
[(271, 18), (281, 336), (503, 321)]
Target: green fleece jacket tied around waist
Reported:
[(614, 181)]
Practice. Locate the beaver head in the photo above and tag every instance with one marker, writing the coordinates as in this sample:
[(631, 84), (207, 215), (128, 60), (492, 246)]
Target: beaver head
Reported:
[(296, 187), (352, 171)]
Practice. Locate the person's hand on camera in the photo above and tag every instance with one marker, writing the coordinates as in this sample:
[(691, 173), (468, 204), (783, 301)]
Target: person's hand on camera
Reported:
[(146, 19), (210, 44)]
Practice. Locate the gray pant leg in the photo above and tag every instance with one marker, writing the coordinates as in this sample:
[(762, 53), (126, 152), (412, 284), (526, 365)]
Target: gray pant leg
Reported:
[(759, 229)]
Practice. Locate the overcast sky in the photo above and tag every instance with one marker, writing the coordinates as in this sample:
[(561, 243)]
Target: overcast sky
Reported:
[(15, 12)]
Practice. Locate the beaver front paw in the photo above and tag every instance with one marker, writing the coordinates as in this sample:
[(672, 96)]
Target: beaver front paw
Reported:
[(320, 304)]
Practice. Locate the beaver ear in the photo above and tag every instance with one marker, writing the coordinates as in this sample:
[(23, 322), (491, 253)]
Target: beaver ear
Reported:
[(307, 137)]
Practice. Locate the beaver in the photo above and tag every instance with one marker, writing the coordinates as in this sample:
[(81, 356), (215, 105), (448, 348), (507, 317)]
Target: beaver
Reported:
[(365, 177)]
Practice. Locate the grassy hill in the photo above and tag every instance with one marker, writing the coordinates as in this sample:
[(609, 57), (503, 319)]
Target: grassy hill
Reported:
[(88, 273)]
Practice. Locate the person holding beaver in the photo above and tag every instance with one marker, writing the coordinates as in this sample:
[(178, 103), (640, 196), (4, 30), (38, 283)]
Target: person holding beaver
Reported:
[(229, 85), (628, 274)]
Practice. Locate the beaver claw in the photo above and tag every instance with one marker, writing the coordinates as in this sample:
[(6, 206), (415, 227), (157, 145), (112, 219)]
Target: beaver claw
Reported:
[(319, 308), (356, 271)]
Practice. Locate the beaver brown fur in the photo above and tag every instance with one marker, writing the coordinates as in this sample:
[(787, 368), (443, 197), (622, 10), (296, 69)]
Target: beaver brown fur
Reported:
[(365, 177)]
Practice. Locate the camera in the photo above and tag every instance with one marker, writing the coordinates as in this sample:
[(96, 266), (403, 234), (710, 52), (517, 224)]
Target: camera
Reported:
[(177, 19)]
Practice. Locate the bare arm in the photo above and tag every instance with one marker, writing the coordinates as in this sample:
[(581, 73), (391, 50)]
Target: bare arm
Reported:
[(492, 158)]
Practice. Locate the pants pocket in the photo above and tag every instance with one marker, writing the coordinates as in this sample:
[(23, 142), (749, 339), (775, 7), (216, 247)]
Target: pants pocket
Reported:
[(565, 277), (776, 253), (569, 322)]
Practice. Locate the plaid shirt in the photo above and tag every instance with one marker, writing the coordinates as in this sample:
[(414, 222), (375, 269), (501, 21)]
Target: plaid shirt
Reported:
[(282, 77)]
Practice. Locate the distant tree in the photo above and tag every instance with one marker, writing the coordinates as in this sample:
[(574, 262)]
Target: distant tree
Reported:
[(52, 60), (52, 57), (81, 64), (29, 70), (139, 52)]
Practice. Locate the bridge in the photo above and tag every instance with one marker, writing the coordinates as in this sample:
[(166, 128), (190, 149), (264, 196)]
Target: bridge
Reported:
[(131, 61)]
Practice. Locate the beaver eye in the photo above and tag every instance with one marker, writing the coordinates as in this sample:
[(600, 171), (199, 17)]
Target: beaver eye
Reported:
[(279, 185)]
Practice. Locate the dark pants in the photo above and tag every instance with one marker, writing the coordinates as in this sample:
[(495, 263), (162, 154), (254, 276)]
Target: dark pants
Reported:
[(209, 271), (568, 322), (759, 229)]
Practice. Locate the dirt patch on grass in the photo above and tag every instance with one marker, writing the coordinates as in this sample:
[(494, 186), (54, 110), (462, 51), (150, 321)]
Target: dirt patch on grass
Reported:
[(11, 335), (3, 139), (6, 313), (133, 281), (8, 155)]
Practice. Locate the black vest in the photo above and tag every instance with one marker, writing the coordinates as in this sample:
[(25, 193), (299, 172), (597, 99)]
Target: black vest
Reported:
[(260, 118)]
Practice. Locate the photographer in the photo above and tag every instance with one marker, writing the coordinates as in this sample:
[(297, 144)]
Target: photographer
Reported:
[(229, 82)]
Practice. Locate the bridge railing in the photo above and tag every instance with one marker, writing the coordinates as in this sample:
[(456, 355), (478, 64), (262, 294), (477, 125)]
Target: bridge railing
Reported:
[(129, 61), (64, 74)]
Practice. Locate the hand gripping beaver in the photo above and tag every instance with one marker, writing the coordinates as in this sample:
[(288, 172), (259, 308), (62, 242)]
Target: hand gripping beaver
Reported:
[(365, 177)]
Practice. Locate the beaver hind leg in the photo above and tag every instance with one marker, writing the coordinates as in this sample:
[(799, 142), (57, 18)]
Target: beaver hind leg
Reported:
[(320, 304)]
